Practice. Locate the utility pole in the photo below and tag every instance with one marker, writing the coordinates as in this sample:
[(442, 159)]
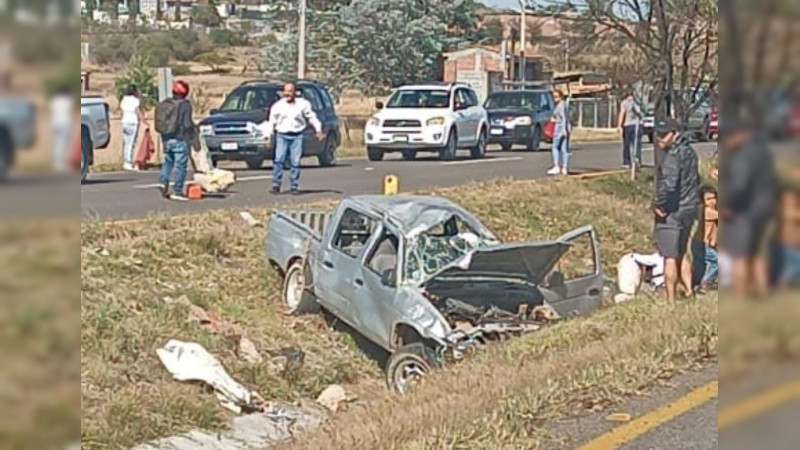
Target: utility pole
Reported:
[(522, 42), (301, 42), (566, 54)]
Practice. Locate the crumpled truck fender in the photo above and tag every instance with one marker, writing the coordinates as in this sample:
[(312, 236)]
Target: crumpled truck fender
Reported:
[(419, 314)]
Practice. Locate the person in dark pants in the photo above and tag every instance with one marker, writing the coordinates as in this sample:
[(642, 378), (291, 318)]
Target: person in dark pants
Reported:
[(748, 196), (178, 134), (675, 205), (630, 123)]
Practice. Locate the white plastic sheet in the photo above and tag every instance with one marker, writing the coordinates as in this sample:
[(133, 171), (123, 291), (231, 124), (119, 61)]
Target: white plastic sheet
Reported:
[(189, 361)]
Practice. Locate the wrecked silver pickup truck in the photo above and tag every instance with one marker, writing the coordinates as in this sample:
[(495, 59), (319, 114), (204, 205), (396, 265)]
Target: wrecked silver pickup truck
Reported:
[(425, 280)]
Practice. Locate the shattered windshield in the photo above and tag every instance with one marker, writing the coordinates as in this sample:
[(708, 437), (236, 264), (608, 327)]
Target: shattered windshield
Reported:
[(440, 246)]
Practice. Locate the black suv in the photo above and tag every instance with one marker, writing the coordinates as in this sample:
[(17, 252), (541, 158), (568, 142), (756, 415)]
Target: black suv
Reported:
[(231, 132), (519, 117)]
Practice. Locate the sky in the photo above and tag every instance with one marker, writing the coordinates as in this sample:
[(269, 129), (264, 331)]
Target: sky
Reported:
[(514, 4)]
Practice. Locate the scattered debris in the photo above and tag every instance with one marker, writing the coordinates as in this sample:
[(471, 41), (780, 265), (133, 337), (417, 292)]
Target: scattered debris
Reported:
[(332, 397), (251, 221), (619, 417), (288, 361), (254, 431), (189, 361), (210, 321), (248, 351)]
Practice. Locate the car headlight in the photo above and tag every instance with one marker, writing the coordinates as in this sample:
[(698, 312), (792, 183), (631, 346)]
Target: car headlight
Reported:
[(524, 120), (374, 122), (206, 130), (435, 121)]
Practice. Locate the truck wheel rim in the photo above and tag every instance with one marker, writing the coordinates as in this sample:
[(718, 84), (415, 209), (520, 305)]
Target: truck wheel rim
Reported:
[(292, 290), (408, 374)]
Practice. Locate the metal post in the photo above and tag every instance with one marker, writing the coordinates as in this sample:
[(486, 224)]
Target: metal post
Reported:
[(522, 42), (301, 42)]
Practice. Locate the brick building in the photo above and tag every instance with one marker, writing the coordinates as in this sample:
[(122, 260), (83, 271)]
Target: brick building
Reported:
[(482, 59)]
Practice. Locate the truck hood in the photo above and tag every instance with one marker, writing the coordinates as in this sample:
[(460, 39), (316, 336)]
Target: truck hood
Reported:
[(525, 263), (256, 116)]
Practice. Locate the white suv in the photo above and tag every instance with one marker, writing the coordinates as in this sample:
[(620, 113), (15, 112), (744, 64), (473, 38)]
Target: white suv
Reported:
[(439, 118)]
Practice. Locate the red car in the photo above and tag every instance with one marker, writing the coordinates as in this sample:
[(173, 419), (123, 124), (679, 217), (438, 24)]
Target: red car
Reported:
[(713, 126)]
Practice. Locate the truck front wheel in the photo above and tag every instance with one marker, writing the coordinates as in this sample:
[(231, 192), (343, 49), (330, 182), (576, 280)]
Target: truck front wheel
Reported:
[(296, 298), (408, 366), (374, 154)]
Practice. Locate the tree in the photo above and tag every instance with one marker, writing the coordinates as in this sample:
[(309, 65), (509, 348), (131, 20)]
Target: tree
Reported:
[(140, 74), (206, 14)]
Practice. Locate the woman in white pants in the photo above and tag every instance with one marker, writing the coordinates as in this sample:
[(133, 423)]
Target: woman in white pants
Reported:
[(132, 117)]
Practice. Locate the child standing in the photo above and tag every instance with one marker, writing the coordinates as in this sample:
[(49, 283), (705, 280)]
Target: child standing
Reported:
[(706, 258)]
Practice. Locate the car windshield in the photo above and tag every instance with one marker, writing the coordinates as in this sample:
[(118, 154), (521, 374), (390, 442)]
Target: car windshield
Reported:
[(419, 98), (440, 246), (249, 99), (513, 100)]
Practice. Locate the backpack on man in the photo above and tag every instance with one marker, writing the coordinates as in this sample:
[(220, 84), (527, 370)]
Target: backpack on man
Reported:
[(168, 116)]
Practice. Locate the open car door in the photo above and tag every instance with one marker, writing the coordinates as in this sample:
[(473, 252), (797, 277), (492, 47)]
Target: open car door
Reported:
[(574, 286)]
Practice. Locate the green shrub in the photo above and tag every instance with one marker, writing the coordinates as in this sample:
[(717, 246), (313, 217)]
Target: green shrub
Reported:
[(180, 70), (139, 73), (221, 36)]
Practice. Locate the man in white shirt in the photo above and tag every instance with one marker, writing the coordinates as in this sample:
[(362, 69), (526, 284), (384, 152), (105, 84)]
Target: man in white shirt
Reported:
[(288, 119)]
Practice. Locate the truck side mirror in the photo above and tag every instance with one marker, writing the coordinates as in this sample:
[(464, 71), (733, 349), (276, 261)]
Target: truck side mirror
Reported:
[(387, 278)]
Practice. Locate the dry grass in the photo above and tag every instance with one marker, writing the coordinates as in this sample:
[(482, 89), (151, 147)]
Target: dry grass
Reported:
[(216, 261), (38, 335)]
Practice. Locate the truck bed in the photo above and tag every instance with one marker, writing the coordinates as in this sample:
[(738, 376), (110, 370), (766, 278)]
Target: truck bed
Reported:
[(291, 231)]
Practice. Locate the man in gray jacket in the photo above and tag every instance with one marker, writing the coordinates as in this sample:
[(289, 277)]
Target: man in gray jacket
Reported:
[(676, 205)]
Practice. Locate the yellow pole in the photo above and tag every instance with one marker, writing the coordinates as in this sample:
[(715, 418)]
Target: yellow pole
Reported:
[(391, 185)]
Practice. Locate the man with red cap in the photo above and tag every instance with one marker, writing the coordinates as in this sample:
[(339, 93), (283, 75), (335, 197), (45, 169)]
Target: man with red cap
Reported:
[(178, 133)]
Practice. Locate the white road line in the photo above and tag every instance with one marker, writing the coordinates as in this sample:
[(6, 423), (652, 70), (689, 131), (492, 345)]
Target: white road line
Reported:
[(238, 180), (482, 161)]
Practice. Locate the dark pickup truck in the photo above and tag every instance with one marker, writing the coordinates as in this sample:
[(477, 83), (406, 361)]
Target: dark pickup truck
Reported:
[(231, 132)]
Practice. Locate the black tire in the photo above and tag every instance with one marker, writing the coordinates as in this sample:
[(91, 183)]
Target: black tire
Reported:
[(535, 144), (214, 162), (409, 155), (479, 149), (506, 146), (374, 154), (254, 162), (448, 152), (86, 154), (705, 134), (328, 156), (302, 302), (408, 365), (650, 137)]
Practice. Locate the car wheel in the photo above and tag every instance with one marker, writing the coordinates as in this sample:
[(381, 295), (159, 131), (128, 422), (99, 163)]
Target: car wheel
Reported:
[(328, 156), (505, 146), (448, 152), (650, 138), (409, 155), (296, 298), (408, 366), (536, 140), (374, 154), (254, 162), (479, 150)]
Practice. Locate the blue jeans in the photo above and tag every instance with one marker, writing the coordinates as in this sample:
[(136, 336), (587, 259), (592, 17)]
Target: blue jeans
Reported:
[(561, 150), (790, 266), (706, 263), (291, 146), (176, 155), (631, 140)]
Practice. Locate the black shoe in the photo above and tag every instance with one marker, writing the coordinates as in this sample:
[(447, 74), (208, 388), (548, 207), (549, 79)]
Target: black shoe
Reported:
[(165, 190), (275, 190)]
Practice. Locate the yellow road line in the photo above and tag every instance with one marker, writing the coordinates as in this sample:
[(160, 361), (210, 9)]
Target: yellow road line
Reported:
[(758, 404), (653, 419)]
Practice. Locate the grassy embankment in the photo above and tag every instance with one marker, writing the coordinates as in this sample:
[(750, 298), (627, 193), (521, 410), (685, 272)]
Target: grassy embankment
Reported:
[(130, 272)]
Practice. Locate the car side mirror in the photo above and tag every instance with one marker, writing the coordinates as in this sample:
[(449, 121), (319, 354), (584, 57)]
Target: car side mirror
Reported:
[(214, 111), (378, 105), (387, 278)]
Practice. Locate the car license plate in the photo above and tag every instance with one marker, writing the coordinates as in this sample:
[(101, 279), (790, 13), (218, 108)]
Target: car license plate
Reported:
[(497, 132), (401, 138), (229, 146)]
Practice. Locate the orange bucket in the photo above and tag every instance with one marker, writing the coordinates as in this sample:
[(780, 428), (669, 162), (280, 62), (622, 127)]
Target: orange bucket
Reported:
[(194, 191)]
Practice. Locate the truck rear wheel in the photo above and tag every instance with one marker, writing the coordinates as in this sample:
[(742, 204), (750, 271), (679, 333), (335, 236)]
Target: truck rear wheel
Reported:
[(374, 154), (296, 298), (328, 156)]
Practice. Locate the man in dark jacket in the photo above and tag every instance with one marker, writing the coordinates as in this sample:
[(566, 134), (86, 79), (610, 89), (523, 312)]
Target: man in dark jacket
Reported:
[(676, 205), (177, 144), (748, 197)]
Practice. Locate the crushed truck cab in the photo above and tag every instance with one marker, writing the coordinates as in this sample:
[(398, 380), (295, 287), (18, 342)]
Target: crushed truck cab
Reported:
[(425, 279)]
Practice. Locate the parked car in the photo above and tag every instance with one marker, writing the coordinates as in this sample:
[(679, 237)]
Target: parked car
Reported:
[(424, 279), (17, 130), (440, 118), (713, 127), (519, 118), (231, 132), (95, 130), (698, 124)]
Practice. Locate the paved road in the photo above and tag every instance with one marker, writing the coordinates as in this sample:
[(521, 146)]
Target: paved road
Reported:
[(134, 195)]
